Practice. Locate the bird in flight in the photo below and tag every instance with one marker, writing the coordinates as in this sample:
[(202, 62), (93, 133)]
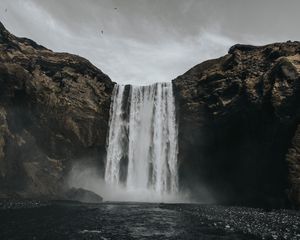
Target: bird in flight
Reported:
[(116, 8)]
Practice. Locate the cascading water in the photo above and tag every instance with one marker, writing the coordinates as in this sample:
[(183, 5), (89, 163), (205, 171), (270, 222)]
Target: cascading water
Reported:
[(142, 142)]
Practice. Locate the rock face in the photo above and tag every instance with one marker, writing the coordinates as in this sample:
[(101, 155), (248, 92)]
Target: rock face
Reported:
[(82, 195), (239, 128), (54, 109)]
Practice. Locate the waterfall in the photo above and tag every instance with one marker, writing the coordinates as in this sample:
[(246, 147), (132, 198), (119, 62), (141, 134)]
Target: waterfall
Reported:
[(142, 141)]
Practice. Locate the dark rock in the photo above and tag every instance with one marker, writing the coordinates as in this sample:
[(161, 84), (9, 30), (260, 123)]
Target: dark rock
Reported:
[(54, 109), (237, 117), (82, 195), (241, 47)]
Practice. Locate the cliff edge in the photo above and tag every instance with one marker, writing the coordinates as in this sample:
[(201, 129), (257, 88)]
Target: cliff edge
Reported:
[(238, 121), (54, 110)]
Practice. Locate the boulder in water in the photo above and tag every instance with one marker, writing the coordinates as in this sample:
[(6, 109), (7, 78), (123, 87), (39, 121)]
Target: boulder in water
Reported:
[(82, 195)]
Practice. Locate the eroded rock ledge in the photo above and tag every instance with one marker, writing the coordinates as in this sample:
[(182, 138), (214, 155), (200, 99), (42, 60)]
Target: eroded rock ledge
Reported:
[(237, 117), (54, 110)]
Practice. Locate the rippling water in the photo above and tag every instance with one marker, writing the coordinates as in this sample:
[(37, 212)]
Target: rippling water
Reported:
[(58, 220)]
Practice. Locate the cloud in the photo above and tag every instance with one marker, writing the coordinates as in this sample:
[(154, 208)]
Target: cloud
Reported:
[(130, 61), (147, 41), (127, 59)]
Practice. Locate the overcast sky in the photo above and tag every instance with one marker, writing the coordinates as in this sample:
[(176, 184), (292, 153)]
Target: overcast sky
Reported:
[(146, 41)]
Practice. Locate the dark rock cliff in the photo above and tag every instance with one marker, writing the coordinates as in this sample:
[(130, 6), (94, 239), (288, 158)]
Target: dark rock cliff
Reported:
[(239, 128), (54, 110), (238, 117)]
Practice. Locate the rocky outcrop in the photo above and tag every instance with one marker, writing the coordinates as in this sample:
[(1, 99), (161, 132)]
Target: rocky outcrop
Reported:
[(81, 195), (237, 117), (293, 158), (54, 110)]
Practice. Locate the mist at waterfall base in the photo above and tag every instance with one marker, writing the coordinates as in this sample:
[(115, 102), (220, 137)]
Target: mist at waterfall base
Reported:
[(88, 177), (142, 148)]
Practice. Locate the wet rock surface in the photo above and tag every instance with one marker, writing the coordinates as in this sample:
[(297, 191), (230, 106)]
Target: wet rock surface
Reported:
[(54, 110), (82, 195), (238, 116), (147, 221), (275, 224)]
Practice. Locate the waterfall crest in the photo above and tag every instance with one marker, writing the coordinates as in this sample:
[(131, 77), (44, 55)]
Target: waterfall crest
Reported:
[(142, 142)]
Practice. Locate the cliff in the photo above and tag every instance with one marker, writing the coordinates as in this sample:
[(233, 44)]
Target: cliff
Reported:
[(54, 110), (239, 128), (238, 121)]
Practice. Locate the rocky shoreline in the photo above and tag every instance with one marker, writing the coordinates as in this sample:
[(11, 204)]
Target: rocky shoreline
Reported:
[(61, 220)]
